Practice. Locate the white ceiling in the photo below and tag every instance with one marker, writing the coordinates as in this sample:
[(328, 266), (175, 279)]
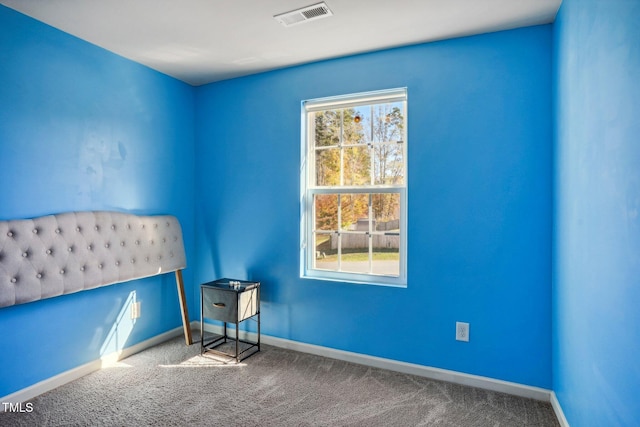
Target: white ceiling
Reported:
[(201, 41)]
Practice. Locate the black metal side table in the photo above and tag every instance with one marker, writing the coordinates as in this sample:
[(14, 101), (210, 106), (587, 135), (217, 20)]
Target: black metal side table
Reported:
[(230, 301)]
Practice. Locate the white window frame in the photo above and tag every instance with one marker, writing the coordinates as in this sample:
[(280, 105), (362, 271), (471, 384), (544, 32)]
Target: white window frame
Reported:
[(308, 190)]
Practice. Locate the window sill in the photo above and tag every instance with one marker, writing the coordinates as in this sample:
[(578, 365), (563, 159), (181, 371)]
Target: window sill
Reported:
[(356, 279)]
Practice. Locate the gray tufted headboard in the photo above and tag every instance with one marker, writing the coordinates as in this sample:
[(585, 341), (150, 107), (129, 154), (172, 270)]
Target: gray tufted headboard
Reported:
[(60, 254)]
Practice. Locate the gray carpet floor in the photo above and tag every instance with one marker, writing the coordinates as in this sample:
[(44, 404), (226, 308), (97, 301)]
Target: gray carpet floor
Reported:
[(173, 385)]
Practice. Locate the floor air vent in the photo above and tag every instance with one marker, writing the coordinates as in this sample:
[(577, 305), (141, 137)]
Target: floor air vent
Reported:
[(305, 14)]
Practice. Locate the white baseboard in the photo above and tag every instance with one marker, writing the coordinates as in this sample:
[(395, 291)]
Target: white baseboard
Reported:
[(555, 404), (394, 365), (362, 359), (75, 373)]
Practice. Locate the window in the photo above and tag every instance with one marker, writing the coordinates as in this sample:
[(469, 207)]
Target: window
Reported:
[(354, 188)]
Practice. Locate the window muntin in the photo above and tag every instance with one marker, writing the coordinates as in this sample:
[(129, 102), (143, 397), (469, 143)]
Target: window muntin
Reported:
[(354, 188)]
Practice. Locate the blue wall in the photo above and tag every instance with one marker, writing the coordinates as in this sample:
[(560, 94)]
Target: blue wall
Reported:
[(83, 129), (480, 132), (596, 279)]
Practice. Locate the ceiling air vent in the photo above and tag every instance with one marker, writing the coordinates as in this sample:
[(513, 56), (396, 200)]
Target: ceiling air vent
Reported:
[(305, 14)]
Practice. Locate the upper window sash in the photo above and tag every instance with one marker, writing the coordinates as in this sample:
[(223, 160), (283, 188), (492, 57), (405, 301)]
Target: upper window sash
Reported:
[(332, 155)]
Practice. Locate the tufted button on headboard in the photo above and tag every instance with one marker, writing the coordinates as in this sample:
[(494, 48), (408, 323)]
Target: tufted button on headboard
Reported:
[(70, 252)]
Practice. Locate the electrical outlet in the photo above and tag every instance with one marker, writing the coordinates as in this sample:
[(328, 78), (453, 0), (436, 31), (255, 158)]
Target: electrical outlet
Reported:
[(135, 310), (462, 331)]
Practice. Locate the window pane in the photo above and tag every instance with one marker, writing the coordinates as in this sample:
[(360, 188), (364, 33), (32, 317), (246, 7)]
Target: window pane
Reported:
[(355, 253), (386, 240), (354, 212), (327, 125), (328, 167), (388, 164), (326, 209), (386, 263), (357, 126), (386, 211), (388, 122), (326, 248), (357, 165)]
